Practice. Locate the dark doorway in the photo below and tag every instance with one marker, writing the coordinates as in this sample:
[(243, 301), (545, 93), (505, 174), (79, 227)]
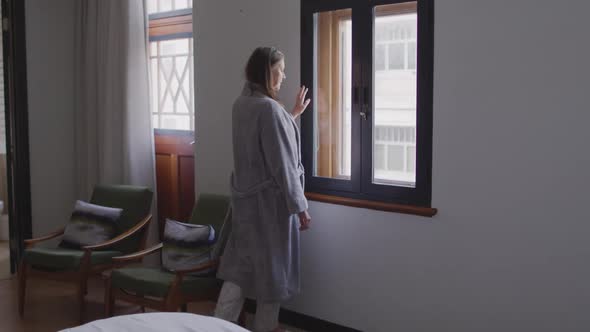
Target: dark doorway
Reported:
[(17, 127)]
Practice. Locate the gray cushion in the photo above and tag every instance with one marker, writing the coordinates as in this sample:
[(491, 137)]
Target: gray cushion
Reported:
[(90, 224), (186, 246)]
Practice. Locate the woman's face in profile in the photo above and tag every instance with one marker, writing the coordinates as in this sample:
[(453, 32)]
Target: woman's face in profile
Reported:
[(278, 75)]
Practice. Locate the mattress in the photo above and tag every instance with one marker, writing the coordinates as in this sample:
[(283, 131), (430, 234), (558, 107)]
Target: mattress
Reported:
[(159, 321)]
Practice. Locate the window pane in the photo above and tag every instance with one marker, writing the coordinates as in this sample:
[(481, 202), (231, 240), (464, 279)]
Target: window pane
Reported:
[(152, 6), (180, 122), (160, 6), (174, 84), (380, 157), (396, 56), (153, 49), (411, 158), (171, 75), (174, 47), (168, 104), (181, 4), (155, 119), (412, 51), (181, 104), (395, 157), (166, 68), (394, 106), (153, 81), (380, 57), (165, 5), (332, 93), (181, 64)]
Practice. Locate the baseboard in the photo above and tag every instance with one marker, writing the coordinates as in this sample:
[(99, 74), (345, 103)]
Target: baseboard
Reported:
[(302, 321)]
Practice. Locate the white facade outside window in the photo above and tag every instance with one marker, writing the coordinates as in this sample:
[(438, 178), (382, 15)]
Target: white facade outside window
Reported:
[(395, 84), (394, 113)]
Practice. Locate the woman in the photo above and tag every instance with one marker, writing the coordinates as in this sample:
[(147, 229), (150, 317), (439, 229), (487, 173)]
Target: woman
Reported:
[(261, 258)]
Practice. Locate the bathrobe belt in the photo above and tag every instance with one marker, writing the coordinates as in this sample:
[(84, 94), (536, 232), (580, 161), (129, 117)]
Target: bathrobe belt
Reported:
[(268, 183)]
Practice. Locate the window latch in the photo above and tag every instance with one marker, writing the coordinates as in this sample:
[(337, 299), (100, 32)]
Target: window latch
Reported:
[(365, 105)]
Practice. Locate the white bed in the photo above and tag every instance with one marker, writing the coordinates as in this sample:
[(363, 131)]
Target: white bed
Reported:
[(159, 322)]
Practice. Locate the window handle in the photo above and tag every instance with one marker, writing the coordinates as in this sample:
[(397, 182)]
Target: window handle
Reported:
[(365, 106), (364, 114)]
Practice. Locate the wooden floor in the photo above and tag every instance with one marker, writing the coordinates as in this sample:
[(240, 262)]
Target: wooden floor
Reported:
[(4, 260), (51, 306)]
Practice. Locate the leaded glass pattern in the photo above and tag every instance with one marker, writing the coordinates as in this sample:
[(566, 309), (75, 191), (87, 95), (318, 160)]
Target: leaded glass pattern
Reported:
[(172, 71)]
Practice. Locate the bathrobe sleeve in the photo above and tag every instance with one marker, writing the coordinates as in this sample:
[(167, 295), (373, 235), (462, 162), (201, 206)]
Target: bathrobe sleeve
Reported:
[(281, 153)]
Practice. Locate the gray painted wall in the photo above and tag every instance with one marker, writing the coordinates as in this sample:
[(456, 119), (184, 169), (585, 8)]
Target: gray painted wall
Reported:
[(508, 250), (226, 33), (50, 75)]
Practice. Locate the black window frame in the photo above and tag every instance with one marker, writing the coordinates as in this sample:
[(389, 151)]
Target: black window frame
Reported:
[(360, 185)]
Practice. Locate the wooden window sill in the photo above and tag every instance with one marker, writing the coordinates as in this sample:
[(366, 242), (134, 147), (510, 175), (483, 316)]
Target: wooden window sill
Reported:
[(381, 206)]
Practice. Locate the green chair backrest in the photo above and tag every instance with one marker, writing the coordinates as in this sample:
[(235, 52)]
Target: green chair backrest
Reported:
[(211, 209), (136, 203)]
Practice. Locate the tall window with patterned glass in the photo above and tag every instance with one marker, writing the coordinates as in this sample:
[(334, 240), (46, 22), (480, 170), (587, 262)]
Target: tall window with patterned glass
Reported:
[(171, 63)]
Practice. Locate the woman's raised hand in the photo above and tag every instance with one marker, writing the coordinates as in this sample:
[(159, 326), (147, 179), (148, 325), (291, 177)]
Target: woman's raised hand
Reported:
[(300, 102)]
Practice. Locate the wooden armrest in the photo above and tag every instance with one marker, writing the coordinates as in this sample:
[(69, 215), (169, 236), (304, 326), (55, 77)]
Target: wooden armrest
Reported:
[(202, 267), (121, 237), (31, 242), (137, 255)]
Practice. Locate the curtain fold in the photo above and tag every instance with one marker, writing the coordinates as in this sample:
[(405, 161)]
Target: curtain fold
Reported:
[(113, 135)]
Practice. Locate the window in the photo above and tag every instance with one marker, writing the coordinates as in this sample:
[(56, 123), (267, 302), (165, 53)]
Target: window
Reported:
[(171, 63), (368, 133)]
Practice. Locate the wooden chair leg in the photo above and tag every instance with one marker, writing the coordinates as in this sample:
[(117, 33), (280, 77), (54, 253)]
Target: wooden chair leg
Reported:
[(169, 307), (141, 307), (22, 286), (172, 301), (81, 292), (242, 318), (109, 299), (184, 307), (83, 284), (173, 304)]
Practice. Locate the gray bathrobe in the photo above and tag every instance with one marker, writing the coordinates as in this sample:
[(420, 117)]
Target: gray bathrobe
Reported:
[(262, 253)]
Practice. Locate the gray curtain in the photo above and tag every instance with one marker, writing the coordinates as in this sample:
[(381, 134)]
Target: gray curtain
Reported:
[(114, 135)]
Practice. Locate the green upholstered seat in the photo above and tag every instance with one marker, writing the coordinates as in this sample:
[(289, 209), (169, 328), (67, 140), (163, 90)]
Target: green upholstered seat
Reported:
[(156, 281), (210, 209), (65, 259)]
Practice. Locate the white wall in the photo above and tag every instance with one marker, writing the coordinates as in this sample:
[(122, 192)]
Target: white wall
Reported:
[(509, 248), (50, 76), (226, 33)]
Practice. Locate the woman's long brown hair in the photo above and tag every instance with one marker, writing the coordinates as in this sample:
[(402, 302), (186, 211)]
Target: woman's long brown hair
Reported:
[(259, 68)]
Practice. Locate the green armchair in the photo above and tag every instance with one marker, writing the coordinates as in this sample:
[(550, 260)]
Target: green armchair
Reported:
[(162, 290), (73, 265)]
